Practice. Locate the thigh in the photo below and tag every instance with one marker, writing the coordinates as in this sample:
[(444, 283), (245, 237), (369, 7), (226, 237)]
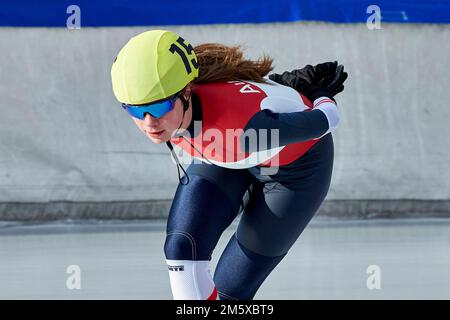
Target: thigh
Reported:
[(206, 206), (280, 208), (232, 182)]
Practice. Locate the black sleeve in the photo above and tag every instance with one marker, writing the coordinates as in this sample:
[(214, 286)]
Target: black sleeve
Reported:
[(293, 127)]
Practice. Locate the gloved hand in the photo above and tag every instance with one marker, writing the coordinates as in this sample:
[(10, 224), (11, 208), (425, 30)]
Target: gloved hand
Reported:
[(334, 82), (323, 80)]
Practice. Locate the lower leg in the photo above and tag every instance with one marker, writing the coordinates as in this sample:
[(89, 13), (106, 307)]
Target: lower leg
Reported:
[(240, 271)]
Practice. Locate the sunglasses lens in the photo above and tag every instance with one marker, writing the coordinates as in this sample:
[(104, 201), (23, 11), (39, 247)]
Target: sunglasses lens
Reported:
[(157, 110)]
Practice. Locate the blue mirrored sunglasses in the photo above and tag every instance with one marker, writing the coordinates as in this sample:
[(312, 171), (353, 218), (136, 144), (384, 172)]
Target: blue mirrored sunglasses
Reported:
[(156, 109)]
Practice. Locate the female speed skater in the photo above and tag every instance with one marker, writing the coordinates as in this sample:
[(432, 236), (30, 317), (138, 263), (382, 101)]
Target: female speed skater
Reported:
[(266, 140)]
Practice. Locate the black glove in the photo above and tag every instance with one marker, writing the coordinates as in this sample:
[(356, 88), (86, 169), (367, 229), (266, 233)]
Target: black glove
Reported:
[(314, 74), (334, 82), (323, 80)]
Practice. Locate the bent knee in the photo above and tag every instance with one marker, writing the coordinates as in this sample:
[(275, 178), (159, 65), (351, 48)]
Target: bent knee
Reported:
[(180, 245)]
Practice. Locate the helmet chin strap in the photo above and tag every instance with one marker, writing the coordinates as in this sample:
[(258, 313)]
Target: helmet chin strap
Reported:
[(185, 108)]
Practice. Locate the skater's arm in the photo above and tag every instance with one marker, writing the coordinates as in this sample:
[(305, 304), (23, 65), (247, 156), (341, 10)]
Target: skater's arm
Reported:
[(292, 126)]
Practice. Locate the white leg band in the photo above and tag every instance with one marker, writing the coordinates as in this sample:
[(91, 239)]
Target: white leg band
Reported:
[(191, 280)]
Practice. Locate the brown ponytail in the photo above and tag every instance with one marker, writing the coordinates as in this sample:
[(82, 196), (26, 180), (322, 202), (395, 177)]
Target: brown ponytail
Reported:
[(218, 62)]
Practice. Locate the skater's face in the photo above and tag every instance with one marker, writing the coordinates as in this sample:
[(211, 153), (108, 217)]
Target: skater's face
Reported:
[(162, 129)]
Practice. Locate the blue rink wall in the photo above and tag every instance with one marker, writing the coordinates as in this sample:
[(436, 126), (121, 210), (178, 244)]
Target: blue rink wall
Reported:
[(114, 13), (69, 151)]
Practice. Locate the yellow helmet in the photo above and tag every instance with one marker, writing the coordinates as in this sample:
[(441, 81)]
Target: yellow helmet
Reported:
[(153, 66)]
